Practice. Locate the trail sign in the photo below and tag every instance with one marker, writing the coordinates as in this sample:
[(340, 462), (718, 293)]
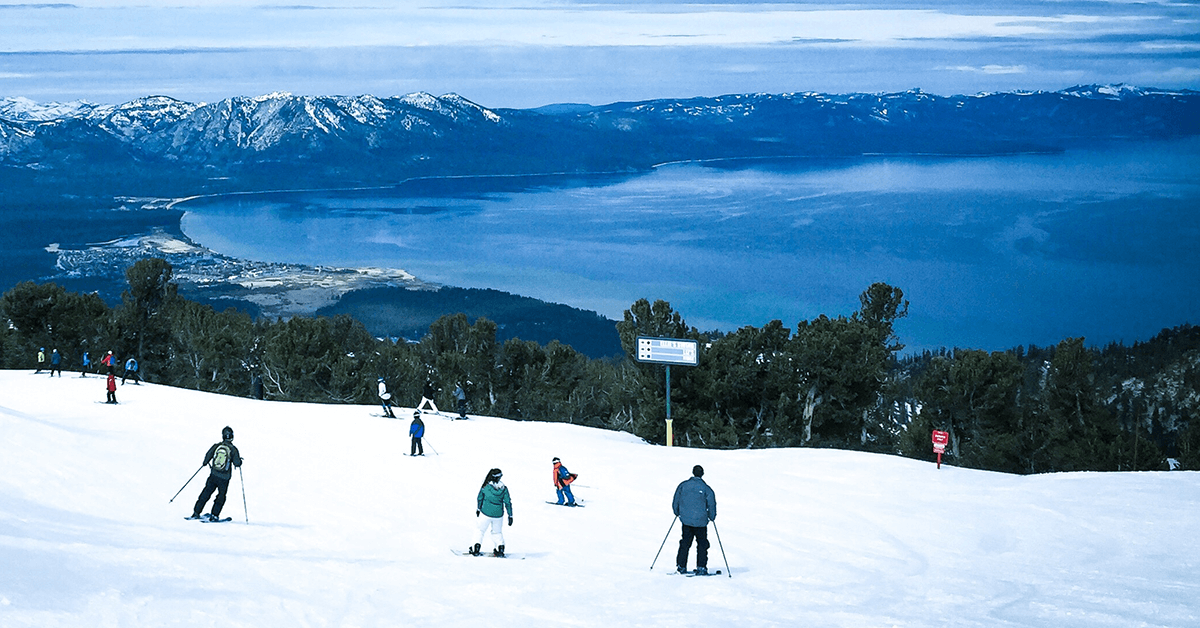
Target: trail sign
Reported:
[(940, 439), (668, 351)]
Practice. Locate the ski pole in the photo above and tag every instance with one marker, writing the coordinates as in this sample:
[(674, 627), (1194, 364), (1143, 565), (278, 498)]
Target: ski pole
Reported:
[(664, 543), (426, 441), (722, 548), (185, 484), (242, 481)]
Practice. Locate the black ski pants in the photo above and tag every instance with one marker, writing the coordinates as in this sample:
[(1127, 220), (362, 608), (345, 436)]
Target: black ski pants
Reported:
[(417, 447), (221, 486), (700, 534)]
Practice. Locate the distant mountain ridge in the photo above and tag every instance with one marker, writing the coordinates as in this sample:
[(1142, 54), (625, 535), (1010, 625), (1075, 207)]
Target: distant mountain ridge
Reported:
[(280, 140)]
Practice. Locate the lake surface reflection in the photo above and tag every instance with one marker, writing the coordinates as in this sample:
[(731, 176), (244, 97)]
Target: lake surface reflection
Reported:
[(992, 252)]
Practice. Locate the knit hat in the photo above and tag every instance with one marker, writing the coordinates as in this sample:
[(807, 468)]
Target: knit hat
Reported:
[(698, 471)]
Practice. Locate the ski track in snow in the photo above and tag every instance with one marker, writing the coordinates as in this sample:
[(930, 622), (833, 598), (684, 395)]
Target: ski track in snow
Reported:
[(345, 531)]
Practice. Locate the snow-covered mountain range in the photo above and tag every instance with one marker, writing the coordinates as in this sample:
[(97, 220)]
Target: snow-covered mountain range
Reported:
[(326, 139)]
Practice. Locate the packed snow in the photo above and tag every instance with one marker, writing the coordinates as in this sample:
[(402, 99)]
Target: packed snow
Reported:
[(341, 529)]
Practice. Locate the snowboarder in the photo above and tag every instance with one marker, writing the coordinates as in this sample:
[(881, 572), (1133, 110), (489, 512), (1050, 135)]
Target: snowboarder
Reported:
[(87, 362), (221, 458), (131, 372), (695, 504), (41, 359), (562, 483), (108, 360), (55, 363), (385, 399), (493, 499), (427, 395), (417, 430), (111, 385), (460, 396)]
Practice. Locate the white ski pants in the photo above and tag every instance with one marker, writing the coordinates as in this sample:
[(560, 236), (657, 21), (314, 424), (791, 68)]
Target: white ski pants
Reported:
[(427, 401), (497, 526)]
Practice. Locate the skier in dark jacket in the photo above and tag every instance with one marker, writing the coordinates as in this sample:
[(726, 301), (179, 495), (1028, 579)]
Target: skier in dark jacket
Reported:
[(221, 458), (55, 363), (695, 504), (417, 430), (427, 395)]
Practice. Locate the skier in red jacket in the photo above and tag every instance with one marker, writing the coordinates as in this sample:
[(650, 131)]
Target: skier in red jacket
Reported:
[(562, 483)]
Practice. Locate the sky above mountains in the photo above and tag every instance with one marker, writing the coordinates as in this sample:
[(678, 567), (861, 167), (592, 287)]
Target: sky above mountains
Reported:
[(534, 52)]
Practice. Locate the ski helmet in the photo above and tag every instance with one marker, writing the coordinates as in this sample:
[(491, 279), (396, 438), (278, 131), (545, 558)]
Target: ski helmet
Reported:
[(227, 433)]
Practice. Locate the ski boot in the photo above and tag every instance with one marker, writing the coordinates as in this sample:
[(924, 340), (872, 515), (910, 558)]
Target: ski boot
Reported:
[(680, 569), (702, 571), (474, 551), (498, 552)]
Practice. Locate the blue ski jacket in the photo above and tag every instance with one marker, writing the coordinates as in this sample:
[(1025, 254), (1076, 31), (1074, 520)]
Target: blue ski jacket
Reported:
[(695, 503)]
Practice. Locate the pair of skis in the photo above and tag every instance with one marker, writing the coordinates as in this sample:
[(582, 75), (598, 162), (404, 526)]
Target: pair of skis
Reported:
[(208, 519)]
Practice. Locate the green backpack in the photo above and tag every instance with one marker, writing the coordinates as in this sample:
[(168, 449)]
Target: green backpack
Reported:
[(221, 457)]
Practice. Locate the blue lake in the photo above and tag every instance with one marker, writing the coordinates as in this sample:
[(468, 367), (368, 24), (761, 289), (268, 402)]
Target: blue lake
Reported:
[(992, 252)]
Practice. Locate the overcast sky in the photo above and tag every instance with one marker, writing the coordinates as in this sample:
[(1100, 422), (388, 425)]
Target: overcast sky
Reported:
[(536, 52)]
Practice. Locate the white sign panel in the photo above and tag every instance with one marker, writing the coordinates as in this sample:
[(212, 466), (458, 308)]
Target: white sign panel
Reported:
[(668, 351)]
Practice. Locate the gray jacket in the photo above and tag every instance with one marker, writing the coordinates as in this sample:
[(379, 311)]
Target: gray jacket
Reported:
[(695, 503)]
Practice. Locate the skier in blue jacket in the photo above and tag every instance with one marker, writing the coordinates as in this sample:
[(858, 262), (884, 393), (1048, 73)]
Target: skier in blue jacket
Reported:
[(695, 504), (417, 430)]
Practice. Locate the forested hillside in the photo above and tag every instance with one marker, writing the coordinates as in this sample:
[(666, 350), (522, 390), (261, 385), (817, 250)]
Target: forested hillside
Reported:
[(829, 382)]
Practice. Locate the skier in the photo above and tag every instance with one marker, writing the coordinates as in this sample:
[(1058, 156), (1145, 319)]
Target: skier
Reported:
[(492, 500), (87, 362), (417, 430), (384, 398), (562, 483), (131, 371), (695, 504), (221, 458), (112, 388), (108, 361), (427, 395), (41, 359), (460, 396), (55, 363)]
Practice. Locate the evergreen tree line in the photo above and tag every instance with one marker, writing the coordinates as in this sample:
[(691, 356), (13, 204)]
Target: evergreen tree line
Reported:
[(830, 382)]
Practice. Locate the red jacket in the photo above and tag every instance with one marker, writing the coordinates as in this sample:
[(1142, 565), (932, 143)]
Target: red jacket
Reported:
[(112, 383), (562, 477)]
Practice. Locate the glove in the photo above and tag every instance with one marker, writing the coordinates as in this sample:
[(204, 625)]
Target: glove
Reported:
[(476, 513), (510, 521)]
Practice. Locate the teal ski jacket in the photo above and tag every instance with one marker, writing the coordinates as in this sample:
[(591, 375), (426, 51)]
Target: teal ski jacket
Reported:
[(493, 500)]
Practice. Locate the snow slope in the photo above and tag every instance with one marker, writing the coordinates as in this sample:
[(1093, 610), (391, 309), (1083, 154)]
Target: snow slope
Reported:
[(344, 531)]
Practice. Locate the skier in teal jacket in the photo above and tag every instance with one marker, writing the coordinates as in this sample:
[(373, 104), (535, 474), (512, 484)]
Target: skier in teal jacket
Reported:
[(492, 501)]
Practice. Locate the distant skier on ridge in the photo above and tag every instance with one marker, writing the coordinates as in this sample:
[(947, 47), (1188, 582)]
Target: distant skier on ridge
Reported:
[(427, 395), (385, 399)]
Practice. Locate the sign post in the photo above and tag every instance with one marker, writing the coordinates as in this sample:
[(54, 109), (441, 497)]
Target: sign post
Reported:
[(668, 351), (940, 439)]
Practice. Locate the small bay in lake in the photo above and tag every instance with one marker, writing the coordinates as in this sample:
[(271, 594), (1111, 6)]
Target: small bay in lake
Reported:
[(992, 252)]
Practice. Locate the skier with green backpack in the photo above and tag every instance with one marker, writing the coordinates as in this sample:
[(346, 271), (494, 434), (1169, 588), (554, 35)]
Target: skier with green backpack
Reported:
[(221, 458)]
